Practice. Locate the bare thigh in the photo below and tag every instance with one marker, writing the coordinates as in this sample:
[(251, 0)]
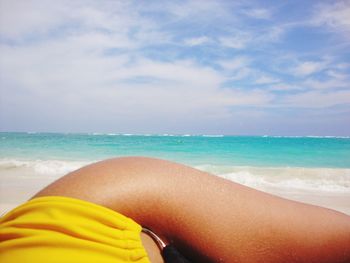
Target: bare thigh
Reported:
[(209, 218)]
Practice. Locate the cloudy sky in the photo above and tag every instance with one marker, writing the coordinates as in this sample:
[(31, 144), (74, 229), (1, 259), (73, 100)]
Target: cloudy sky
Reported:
[(200, 67)]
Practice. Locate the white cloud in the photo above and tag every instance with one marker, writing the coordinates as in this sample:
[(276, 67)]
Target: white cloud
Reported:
[(196, 9), (252, 38), (326, 84), (239, 40), (196, 41), (243, 73), (265, 79), (335, 74), (336, 16), (27, 17), (240, 68), (72, 73), (317, 99), (72, 77), (342, 66), (258, 13), (251, 97), (105, 61), (271, 34), (332, 80), (34, 20), (235, 64), (183, 72), (285, 87), (309, 67)]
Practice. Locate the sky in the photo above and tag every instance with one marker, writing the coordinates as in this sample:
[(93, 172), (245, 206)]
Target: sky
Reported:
[(180, 67)]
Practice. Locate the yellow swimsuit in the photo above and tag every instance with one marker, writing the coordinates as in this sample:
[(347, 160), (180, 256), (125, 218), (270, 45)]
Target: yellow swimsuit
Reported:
[(63, 230)]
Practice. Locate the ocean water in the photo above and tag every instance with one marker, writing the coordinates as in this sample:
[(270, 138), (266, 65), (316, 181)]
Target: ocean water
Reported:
[(320, 164)]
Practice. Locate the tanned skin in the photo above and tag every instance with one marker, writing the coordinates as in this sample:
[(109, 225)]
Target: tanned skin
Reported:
[(208, 218)]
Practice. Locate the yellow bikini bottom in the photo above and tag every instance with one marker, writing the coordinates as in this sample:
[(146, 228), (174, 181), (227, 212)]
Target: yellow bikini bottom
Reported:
[(63, 230)]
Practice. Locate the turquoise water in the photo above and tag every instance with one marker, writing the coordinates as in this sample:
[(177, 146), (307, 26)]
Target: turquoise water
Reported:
[(281, 163), (320, 152)]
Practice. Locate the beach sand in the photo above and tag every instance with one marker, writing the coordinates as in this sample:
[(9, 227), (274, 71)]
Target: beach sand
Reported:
[(15, 190), (332, 200)]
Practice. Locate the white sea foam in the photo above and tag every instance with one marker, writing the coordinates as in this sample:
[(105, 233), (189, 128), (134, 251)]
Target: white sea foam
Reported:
[(296, 178), (325, 184), (96, 133), (287, 178), (307, 136), (213, 135), (39, 167)]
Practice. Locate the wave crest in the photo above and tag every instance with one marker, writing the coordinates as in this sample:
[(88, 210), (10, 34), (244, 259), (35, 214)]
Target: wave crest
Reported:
[(288, 178), (40, 167)]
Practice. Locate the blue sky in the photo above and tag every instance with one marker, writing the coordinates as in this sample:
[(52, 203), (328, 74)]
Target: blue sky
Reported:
[(201, 67)]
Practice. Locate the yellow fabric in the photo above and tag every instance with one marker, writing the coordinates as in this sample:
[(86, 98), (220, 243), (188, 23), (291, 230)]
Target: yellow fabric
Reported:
[(61, 229)]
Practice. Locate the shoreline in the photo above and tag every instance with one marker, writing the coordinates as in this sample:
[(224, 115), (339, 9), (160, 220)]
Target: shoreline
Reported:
[(327, 187), (15, 191)]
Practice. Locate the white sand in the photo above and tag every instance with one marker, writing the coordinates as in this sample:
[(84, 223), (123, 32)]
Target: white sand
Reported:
[(16, 190), (332, 200)]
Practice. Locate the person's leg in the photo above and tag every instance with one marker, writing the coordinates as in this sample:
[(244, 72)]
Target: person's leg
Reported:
[(208, 217)]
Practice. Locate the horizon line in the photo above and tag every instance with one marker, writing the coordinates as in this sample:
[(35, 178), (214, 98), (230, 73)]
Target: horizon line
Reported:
[(214, 135)]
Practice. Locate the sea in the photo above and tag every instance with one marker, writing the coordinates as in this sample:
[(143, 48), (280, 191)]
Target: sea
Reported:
[(277, 164)]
